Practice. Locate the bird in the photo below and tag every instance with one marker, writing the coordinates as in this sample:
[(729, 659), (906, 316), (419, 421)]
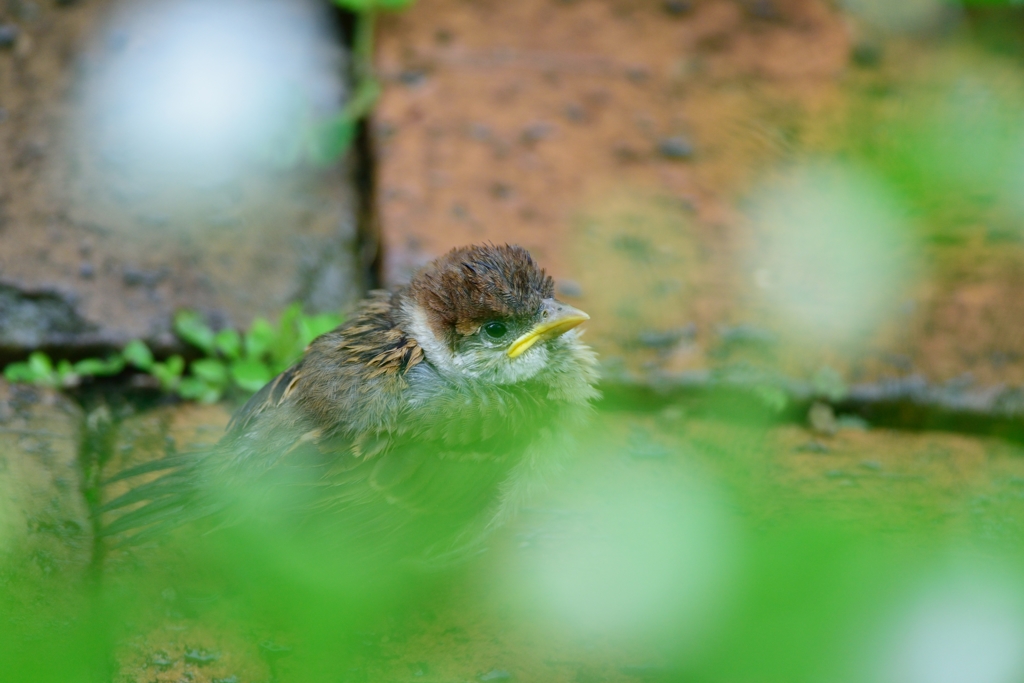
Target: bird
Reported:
[(407, 434)]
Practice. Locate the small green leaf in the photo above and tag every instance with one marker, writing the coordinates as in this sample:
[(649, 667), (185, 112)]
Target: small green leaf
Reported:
[(287, 346), (169, 373), (65, 376), (94, 367), (211, 371), (41, 365), (289, 315), (259, 338), (191, 388), (191, 327), (212, 395), (18, 372), (229, 343), (138, 354), (250, 375), (196, 389), (176, 365)]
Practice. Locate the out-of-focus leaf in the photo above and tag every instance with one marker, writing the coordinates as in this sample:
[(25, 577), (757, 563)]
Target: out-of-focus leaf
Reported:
[(287, 346), (229, 343), (41, 365), (169, 373), (176, 365), (19, 372), (210, 370), (191, 327), (250, 375), (94, 367), (138, 354), (65, 375), (198, 390), (259, 338)]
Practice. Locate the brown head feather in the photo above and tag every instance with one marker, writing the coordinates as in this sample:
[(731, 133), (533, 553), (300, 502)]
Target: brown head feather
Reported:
[(471, 285)]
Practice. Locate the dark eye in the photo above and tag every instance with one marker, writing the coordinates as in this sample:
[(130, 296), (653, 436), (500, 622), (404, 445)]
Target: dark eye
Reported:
[(495, 329)]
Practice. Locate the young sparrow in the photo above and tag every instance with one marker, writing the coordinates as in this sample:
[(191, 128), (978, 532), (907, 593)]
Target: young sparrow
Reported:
[(408, 432)]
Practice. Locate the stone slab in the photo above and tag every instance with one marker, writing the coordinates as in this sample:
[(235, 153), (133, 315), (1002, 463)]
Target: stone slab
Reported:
[(622, 143), (44, 519), (609, 138), (99, 244)]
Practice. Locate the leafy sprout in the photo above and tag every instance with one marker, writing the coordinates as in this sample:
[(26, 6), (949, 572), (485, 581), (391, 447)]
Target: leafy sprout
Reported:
[(243, 362), (231, 362), (39, 369)]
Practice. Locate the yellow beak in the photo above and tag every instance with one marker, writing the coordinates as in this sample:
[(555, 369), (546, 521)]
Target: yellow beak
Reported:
[(556, 319)]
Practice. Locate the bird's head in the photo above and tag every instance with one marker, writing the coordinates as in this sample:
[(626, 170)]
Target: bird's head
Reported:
[(489, 312)]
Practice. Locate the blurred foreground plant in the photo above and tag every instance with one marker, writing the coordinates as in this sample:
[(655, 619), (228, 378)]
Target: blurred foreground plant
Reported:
[(231, 360)]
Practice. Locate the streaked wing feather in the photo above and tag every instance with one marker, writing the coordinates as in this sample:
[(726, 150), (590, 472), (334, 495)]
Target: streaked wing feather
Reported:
[(170, 462), (272, 395)]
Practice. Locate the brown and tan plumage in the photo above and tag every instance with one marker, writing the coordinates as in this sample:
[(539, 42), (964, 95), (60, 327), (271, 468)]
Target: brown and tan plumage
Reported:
[(409, 431)]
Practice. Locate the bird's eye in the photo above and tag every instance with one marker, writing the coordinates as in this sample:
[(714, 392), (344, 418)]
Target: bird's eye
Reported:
[(495, 329)]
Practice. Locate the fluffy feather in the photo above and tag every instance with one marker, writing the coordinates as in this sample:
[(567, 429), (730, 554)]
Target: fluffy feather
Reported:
[(404, 432)]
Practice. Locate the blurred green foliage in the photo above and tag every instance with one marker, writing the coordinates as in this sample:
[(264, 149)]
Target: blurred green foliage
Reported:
[(328, 140), (733, 574), (231, 362), (947, 139)]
